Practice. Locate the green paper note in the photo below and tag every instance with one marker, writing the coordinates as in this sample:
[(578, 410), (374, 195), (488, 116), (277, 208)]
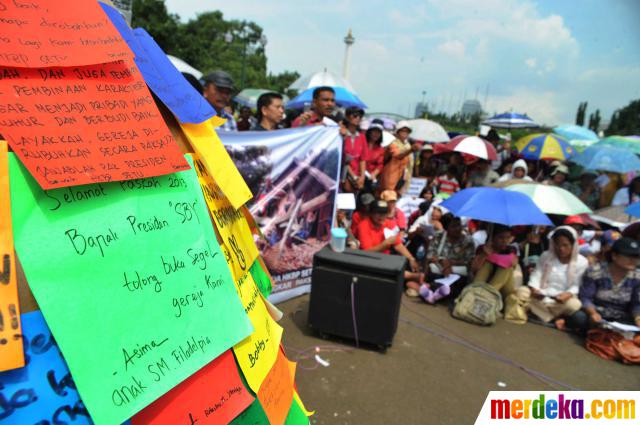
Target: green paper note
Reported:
[(260, 277), (130, 280), (296, 416), (253, 415)]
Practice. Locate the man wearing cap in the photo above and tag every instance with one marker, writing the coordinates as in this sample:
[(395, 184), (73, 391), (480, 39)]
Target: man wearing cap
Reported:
[(559, 177), (374, 236), (218, 87), (610, 290), (396, 174), (353, 150), (323, 104), (395, 217)]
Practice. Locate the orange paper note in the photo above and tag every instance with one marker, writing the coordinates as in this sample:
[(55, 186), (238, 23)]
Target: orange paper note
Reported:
[(276, 392), (81, 125), (42, 33), (213, 395), (11, 354)]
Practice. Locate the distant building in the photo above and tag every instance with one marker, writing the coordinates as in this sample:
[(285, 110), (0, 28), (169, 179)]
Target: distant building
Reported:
[(471, 107), (421, 109)]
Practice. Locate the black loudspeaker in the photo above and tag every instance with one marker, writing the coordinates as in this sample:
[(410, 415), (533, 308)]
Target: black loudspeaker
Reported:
[(356, 294)]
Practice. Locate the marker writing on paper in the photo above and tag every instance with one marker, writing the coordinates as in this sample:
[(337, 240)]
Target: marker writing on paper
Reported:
[(141, 281), (139, 351), (81, 242), (199, 258), (189, 348), (192, 299), (70, 195), (128, 393)]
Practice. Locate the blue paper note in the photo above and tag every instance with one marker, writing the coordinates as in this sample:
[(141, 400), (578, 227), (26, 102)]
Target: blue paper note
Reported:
[(161, 75), (42, 392)]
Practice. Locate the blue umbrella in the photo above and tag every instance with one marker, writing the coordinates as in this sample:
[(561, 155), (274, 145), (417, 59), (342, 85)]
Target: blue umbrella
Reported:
[(496, 206), (608, 158), (343, 98), (511, 120), (575, 132), (633, 209)]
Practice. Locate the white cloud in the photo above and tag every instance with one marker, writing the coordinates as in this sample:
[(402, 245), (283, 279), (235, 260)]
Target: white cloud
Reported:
[(453, 48), (542, 107), (531, 62)]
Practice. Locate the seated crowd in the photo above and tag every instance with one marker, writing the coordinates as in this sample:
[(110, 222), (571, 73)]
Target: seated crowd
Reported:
[(574, 275)]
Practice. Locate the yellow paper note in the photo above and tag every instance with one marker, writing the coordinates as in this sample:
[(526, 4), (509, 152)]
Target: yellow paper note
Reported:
[(296, 397), (257, 353), (237, 240), (11, 351), (217, 161)]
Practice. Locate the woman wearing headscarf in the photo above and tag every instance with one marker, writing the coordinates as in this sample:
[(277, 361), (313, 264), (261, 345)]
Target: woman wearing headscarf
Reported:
[(555, 282), (519, 170)]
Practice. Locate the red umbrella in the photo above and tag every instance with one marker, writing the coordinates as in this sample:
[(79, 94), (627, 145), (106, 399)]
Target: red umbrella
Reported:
[(470, 145)]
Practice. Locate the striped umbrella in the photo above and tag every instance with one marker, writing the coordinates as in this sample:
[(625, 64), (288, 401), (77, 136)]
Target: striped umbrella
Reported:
[(631, 143), (471, 145), (544, 146), (511, 120)]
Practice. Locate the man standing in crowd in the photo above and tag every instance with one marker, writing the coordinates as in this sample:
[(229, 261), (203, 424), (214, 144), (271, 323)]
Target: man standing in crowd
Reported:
[(218, 87), (246, 120), (270, 112), (324, 102)]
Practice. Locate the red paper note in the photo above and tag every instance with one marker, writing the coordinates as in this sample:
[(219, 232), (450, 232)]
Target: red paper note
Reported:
[(42, 33), (81, 125), (213, 395), (276, 391)]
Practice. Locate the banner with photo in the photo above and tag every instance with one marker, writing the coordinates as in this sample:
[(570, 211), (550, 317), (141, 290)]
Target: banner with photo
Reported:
[(293, 175)]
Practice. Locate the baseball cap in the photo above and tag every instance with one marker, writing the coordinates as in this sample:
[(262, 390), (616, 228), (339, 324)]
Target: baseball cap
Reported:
[(627, 247), (561, 169), (380, 207), (219, 78), (389, 195)]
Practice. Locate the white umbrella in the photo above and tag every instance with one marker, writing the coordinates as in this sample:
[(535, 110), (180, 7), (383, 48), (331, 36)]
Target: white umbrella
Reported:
[(184, 67), (387, 138), (552, 199), (428, 131), (317, 79)]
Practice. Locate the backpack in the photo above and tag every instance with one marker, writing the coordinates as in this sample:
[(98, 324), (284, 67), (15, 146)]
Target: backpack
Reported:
[(478, 303)]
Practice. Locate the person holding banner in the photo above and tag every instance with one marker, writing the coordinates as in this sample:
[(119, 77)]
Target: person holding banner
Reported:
[(324, 103), (270, 112)]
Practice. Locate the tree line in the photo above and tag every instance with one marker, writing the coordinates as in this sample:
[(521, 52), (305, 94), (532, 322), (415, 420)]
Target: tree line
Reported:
[(624, 121)]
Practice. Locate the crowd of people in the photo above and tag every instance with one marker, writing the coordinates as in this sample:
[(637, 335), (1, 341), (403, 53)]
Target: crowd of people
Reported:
[(574, 275)]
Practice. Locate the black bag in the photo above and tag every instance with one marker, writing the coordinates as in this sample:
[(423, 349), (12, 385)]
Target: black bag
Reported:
[(361, 285)]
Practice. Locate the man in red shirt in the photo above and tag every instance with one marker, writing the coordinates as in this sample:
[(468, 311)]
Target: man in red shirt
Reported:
[(372, 235), (324, 102)]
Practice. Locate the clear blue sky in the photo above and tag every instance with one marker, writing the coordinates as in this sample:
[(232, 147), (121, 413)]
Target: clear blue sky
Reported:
[(538, 57)]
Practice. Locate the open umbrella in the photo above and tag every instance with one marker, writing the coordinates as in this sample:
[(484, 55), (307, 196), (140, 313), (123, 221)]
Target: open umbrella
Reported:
[(575, 132), (608, 158), (496, 206), (630, 143), (471, 145), (427, 131), (552, 199), (387, 123), (544, 146), (511, 120), (633, 209), (318, 79), (580, 145), (182, 66), (249, 97), (343, 98)]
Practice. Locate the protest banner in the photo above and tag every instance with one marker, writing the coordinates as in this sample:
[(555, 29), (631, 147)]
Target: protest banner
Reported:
[(293, 175), (11, 354), (40, 33), (131, 281)]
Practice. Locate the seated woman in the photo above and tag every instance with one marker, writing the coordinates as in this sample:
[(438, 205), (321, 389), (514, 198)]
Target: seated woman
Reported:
[(423, 229), (611, 290), (450, 252), (556, 279), (496, 261)]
